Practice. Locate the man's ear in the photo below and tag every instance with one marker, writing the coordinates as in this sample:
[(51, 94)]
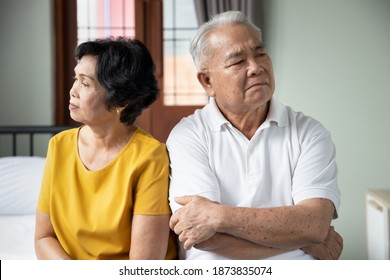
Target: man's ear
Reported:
[(204, 80)]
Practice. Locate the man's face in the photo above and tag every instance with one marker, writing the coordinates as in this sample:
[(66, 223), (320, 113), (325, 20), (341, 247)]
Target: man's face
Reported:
[(238, 69)]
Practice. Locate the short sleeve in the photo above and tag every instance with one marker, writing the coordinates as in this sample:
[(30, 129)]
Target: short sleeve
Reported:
[(44, 195), (191, 173), (315, 174), (151, 191)]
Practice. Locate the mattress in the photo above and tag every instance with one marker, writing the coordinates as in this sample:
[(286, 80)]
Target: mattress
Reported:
[(17, 237)]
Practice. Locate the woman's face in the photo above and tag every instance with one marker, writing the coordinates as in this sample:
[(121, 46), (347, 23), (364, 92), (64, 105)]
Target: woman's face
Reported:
[(88, 95)]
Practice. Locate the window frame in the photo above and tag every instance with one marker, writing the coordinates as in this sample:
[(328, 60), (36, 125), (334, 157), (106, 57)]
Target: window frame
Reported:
[(158, 119)]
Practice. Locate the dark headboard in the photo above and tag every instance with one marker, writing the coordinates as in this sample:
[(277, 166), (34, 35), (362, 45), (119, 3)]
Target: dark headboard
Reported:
[(30, 131)]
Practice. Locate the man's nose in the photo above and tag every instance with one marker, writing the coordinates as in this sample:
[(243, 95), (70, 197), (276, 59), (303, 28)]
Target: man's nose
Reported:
[(254, 68)]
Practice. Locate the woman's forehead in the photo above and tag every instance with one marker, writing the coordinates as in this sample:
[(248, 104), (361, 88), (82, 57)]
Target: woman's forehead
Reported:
[(87, 65)]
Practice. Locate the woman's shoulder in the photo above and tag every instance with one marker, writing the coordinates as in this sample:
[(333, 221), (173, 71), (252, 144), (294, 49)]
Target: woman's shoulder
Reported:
[(145, 138), (147, 146), (65, 135)]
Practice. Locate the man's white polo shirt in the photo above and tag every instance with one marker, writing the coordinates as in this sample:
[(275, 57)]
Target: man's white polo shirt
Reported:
[(290, 158)]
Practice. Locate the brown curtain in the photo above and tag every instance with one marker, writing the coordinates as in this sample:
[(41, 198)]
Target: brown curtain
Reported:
[(205, 9), (65, 28)]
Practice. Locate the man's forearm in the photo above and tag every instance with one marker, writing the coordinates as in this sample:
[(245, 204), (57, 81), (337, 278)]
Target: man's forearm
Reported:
[(287, 227), (235, 248)]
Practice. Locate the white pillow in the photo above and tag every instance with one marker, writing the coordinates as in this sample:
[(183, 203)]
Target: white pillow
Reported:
[(20, 182)]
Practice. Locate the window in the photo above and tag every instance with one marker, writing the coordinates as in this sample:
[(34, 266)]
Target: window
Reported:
[(180, 84), (165, 26), (104, 18)]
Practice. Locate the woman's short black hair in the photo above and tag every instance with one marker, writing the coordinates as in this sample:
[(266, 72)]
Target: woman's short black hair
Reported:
[(126, 69)]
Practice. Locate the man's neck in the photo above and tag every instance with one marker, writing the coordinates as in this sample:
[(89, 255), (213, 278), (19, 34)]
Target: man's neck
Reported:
[(248, 123)]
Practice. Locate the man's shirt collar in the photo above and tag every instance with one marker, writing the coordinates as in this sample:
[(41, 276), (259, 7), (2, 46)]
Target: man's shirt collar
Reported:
[(277, 115)]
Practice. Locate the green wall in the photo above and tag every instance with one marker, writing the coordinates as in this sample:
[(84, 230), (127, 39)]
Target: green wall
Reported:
[(332, 61)]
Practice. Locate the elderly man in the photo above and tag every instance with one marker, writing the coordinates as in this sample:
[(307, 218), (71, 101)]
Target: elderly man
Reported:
[(250, 177)]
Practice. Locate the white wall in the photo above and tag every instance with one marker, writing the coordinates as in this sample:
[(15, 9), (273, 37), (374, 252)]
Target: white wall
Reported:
[(26, 62), (26, 69), (332, 61)]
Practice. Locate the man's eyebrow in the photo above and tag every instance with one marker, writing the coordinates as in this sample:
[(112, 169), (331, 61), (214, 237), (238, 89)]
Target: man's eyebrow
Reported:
[(259, 46), (235, 54)]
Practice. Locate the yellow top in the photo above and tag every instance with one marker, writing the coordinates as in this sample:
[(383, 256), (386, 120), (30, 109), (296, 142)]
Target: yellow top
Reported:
[(91, 212)]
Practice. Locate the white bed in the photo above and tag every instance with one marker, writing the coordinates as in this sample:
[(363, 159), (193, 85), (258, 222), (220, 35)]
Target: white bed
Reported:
[(20, 182), (20, 179)]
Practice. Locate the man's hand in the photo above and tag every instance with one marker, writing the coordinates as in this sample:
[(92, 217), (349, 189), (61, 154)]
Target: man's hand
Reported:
[(196, 221), (330, 249)]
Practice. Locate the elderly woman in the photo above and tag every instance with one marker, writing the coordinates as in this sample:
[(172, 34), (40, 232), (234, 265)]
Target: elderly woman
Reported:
[(104, 193)]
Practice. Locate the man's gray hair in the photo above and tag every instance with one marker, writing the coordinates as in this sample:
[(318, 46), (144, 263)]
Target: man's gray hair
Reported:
[(198, 44)]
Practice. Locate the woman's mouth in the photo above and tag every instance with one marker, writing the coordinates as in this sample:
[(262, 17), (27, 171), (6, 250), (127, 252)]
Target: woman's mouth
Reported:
[(72, 106)]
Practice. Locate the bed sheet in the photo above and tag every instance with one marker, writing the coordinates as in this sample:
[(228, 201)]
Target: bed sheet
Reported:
[(17, 237)]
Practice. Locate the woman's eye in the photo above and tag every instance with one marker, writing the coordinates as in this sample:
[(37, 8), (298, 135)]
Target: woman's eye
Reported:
[(82, 83)]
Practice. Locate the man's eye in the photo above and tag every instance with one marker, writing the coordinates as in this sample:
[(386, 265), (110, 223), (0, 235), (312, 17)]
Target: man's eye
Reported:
[(236, 62)]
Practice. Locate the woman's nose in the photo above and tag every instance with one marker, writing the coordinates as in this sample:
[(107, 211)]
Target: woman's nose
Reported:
[(73, 90)]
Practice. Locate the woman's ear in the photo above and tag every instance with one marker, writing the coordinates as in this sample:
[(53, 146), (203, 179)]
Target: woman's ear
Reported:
[(205, 81)]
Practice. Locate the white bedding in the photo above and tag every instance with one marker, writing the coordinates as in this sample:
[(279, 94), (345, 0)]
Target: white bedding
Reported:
[(17, 237), (20, 180)]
